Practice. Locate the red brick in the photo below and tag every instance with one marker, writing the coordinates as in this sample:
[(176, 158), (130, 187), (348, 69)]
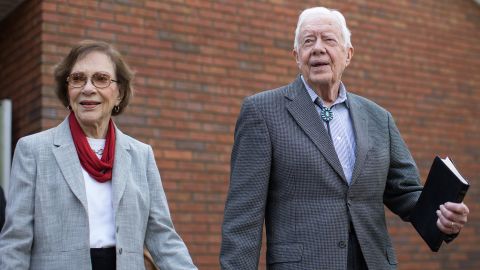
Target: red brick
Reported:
[(195, 61)]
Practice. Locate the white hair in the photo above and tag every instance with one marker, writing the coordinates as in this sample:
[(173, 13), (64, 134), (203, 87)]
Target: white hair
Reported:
[(322, 11)]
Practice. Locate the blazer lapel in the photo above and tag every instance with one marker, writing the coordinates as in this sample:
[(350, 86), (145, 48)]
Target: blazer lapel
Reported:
[(68, 162), (303, 111), (360, 126), (121, 167)]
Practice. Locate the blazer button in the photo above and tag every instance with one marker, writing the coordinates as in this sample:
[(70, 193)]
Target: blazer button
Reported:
[(120, 251), (342, 244)]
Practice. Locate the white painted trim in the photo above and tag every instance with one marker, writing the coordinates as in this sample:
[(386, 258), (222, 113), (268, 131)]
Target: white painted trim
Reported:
[(5, 142)]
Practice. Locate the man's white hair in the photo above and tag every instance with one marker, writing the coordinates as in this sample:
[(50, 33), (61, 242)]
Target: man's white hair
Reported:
[(322, 11)]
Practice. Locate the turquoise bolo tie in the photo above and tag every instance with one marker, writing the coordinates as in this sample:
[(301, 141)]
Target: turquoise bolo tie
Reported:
[(325, 113)]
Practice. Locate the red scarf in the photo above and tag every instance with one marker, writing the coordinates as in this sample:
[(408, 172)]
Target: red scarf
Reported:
[(100, 170)]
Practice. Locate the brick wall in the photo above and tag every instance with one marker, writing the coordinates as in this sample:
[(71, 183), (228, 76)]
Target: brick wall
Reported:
[(20, 66), (195, 61)]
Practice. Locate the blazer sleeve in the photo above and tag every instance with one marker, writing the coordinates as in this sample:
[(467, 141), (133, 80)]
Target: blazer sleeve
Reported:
[(403, 186), (165, 245), (247, 196), (17, 235)]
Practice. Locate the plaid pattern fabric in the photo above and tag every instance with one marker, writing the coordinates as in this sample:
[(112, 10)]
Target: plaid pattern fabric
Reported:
[(285, 172)]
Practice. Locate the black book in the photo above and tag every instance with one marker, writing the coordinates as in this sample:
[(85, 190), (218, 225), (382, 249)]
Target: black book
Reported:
[(444, 184)]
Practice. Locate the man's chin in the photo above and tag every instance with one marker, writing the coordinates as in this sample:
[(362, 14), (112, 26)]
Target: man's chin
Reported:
[(320, 80)]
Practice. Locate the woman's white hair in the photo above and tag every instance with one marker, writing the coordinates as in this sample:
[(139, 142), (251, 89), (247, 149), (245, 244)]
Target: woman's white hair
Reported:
[(322, 11)]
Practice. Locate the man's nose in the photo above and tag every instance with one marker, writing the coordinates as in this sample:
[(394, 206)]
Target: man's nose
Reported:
[(319, 47)]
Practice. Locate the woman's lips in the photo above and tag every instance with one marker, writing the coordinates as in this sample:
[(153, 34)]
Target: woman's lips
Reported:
[(89, 104)]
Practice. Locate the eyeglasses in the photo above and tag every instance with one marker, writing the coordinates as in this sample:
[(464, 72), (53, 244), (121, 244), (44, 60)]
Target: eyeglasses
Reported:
[(98, 79)]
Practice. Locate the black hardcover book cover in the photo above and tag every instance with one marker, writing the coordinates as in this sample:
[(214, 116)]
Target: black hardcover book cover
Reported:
[(444, 184)]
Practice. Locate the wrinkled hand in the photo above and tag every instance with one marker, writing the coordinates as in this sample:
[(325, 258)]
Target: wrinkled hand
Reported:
[(452, 217)]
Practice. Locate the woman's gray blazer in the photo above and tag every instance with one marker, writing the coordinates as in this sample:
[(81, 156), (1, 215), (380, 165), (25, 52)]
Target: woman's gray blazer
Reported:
[(47, 219)]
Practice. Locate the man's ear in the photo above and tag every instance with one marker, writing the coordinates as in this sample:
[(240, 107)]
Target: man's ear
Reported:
[(295, 54), (349, 56)]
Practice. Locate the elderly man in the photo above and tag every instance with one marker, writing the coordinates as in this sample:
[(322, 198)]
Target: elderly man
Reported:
[(317, 164)]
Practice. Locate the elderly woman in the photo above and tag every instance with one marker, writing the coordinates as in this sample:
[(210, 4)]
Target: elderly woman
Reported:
[(83, 195)]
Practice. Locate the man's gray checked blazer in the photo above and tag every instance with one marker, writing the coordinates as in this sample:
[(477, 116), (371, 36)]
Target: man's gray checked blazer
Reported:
[(285, 171), (47, 222)]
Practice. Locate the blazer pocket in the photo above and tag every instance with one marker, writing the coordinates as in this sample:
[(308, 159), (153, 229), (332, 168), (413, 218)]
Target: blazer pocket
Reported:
[(390, 253), (284, 252)]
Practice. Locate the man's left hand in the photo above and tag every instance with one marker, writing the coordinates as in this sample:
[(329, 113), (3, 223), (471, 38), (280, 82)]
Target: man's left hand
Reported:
[(452, 217)]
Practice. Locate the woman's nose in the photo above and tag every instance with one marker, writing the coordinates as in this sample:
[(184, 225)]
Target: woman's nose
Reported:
[(88, 88)]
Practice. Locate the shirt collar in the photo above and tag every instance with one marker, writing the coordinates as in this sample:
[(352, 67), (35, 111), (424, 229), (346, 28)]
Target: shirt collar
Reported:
[(342, 95)]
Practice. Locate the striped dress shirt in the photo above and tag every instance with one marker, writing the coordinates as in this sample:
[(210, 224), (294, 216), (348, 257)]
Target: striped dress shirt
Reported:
[(341, 129)]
